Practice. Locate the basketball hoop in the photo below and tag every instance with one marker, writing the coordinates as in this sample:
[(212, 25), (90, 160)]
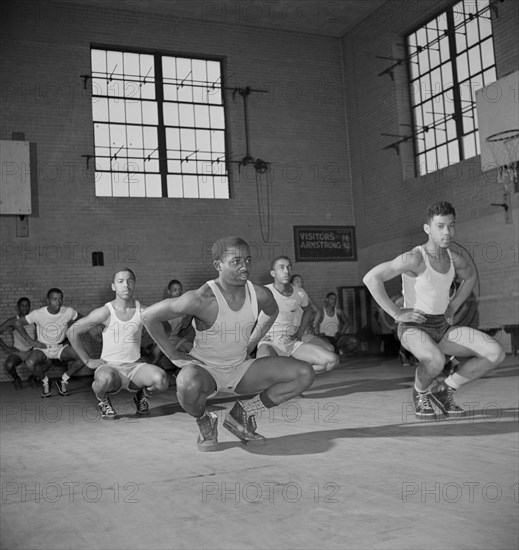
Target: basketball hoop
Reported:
[(505, 150)]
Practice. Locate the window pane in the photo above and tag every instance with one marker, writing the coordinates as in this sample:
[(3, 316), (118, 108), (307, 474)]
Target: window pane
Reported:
[(472, 32), (469, 146), (454, 154), (170, 114), (103, 184), (221, 188), (475, 60), (462, 65), (446, 75), (202, 115), (133, 112), (153, 186), (120, 185), (205, 185), (100, 109), (487, 53), (115, 110), (149, 112), (136, 184), (175, 188), (190, 187), (186, 115)]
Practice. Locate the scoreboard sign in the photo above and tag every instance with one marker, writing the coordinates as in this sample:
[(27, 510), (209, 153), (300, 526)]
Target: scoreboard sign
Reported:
[(316, 243)]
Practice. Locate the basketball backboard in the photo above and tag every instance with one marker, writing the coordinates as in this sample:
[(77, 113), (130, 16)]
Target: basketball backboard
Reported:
[(498, 111)]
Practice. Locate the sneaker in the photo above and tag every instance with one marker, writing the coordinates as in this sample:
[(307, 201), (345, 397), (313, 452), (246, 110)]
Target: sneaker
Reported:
[(107, 411), (422, 405), (443, 397), (62, 386), (141, 402), (45, 388), (241, 424), (208, 437)]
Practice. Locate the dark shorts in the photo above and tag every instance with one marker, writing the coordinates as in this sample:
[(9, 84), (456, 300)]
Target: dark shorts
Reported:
[(436, 326)]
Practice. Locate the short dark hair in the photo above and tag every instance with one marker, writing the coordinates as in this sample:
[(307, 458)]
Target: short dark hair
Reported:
[(294, 276), (221, 246), (277, 258), (440, 208), (331, 294), (23, 299), (127, 269), (174, 282), (54, 291)]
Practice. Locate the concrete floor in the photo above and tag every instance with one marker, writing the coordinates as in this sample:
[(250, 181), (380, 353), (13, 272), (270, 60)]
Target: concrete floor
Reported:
[(347, 466)]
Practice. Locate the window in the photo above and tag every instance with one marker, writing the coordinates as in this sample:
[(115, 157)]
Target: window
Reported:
[(450, 58), (159, 126)]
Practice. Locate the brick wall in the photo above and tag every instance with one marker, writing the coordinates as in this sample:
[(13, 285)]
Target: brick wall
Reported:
[(388, 208), (299, 127)]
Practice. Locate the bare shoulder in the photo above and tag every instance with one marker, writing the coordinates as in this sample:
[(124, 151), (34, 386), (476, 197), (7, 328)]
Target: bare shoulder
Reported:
[(263, 293), (98, 315), (411, 261), (196, 301)]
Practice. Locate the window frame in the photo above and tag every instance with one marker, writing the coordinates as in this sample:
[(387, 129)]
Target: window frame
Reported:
[(163, 155), (455, 149)]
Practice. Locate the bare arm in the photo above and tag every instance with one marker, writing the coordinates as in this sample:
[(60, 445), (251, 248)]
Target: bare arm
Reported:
[(83, 325), (306, 319), (190, 303), (19, 325), (468, 277), (269, 310), (376, 277), (317, 321)]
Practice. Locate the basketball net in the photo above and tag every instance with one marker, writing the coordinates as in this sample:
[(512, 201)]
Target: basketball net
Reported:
[(505, 150)]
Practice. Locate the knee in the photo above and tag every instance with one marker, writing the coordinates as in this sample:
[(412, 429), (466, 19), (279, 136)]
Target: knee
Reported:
[(496, 355), (334, 362), (32, 363), (160, 381), (433, 361), (103, 378), (188, 383), (305, 374)]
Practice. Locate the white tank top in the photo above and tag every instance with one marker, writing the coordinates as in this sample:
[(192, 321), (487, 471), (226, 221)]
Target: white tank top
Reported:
[(224, 344), (18, 342), (429, 291), (287, 321), (329, 325), (122, 339)]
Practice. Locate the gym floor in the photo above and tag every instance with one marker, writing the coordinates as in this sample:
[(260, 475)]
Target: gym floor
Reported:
[(346, 466)]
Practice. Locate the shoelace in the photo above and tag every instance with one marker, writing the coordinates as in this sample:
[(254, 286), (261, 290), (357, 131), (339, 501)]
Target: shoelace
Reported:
[(450, 399), (106, 407), (423, 401), (207, 427), (143, 403)]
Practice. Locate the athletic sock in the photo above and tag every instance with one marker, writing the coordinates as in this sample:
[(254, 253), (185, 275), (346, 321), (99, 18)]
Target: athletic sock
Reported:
[(45, 380), (420, 391), (258, 403), (200, 418), (65, 377), (455, 381)]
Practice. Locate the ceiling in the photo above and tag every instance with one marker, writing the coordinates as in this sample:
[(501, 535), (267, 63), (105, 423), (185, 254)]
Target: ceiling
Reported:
[(323, 17)]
